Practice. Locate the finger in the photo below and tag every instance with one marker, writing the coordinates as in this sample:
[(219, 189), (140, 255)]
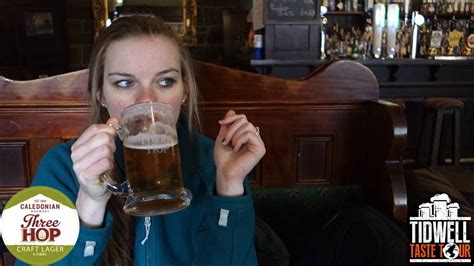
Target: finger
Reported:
[(232, 128), (91, 175), (231, 117), (97, 154), (242, 130), (103, 138), (251, 141), (222, 131), (229, 113), (93, 130), (223, 128)]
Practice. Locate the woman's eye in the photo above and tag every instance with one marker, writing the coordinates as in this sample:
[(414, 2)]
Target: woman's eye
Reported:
[(123, 84), (166, 82)]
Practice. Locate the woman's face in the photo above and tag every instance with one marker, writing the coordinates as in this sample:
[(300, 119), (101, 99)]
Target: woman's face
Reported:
[(142, 69)]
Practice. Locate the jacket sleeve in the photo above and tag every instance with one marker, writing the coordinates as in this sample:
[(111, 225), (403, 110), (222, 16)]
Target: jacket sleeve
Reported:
[(55, 171), (226, 235)]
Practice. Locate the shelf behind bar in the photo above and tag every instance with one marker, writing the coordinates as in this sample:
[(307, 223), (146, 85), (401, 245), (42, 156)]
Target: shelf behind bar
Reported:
[(369, 62), (345, 13)]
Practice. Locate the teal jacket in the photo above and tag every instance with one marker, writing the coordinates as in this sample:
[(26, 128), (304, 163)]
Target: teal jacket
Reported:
[(188, 237)]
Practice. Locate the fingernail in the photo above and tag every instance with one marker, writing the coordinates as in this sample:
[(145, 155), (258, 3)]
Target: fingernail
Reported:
[(221, 121), (224, 142)]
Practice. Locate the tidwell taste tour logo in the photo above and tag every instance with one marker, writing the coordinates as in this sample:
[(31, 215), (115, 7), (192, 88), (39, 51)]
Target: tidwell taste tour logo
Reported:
[(438, 234), (40, 225)]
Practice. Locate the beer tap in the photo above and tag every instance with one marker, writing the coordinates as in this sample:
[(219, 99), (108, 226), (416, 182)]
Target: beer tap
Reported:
[(324, 21), (417, 21), (379, 24), (392, 27)]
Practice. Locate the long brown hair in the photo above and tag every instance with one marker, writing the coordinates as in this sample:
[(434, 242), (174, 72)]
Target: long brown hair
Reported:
[(119, 250)]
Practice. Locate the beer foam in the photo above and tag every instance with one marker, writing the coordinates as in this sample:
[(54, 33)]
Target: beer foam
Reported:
[(144, 141), (151, 147)]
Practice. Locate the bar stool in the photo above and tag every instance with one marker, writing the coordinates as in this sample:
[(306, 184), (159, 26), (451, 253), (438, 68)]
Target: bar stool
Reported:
[(437, 108)]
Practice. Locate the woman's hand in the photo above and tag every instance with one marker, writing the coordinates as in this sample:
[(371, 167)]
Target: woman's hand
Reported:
[(237, 150), (92, 155)]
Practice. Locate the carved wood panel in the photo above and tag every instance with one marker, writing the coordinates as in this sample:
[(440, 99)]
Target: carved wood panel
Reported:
[(14, 169), (314, 159)]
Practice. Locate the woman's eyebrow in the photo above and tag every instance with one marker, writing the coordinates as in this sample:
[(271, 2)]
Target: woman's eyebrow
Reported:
[(167, 71), (132, 76), (121, 74)]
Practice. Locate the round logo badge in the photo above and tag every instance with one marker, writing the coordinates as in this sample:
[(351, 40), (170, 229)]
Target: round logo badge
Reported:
[(40, 225)]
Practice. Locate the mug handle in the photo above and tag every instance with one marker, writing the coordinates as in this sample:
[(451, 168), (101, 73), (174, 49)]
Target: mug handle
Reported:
[(119, 189)]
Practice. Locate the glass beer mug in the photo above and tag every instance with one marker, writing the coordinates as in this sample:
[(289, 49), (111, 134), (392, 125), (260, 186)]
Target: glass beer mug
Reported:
[(154, 184)]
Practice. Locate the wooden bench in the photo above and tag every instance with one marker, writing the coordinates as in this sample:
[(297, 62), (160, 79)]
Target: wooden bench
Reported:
[(327, 128)]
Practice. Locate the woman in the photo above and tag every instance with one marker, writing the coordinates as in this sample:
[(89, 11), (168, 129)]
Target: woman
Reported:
[(139, 59)]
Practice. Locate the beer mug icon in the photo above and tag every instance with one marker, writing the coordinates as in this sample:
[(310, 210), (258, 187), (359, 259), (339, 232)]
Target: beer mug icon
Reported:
[(154, 183)]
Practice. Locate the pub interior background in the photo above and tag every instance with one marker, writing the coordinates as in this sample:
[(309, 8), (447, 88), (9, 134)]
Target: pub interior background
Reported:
[(50, 37), (62, 40)]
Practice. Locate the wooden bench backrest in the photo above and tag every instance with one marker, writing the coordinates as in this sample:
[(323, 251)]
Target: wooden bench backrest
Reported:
[(327, 128)]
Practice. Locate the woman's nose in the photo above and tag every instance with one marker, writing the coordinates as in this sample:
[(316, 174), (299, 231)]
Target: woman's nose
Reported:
[(146, 95)]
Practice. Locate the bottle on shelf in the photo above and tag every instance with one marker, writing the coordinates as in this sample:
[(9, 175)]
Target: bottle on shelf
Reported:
[(455, 37), (467, 7), (368, 6), (457, 7), (450, 7), (356, 7), (348, 5), (424, 38), (325, 3), (355, 46), (440, 7), (401, 5), (369, 38), (332, 5), (435, 38), (424, 7), (431, 8), (257, 47), (340, 5)]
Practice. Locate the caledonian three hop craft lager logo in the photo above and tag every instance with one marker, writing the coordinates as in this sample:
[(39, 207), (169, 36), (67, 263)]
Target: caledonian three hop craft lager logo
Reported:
[(438, 234), (40, 225)]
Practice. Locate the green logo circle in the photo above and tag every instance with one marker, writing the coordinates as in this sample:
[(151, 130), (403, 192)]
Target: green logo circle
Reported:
[(40, 225)]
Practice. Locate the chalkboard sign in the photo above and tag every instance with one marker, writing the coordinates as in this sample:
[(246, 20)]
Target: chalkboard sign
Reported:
[(287, 11)]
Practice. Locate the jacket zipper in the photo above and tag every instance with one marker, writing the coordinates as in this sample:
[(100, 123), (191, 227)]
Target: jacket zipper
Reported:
[(147, 225)]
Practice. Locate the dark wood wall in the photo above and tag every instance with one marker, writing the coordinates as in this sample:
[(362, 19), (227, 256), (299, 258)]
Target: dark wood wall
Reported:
[(26, 53)]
